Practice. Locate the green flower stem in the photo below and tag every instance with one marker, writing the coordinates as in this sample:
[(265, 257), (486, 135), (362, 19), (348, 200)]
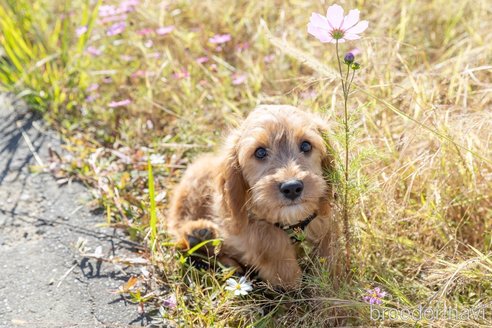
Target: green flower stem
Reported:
[(340, 67), (345, 88)]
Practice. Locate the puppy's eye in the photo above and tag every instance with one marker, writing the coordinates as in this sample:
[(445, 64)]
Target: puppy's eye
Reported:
[(306, 147), (260, 153)]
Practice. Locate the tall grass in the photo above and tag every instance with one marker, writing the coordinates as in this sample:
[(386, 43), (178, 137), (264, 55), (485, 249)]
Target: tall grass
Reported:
[(421, 142), (41, 60)]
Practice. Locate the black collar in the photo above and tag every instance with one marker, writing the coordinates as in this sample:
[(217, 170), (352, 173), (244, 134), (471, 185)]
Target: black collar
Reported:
[(292, 230)]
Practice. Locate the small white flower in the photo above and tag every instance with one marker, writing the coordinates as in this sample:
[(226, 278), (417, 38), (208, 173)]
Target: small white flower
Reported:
[(156, 159), (239, 288)]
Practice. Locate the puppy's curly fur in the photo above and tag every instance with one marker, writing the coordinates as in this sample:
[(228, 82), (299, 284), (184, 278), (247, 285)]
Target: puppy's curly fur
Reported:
[(237, 194)]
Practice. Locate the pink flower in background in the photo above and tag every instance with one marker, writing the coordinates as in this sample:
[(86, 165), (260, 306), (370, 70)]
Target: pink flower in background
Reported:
[(154, 55), (163, 30), (107, 10), (242, 46), (128, 5), (110, 19), (127, 58), (355, 51), (201, 60), (139, 73), (107, 80), (269, 58), (93, 51), (121, 103), (220, 38), (92, 97), (170, 302), (148, 43), (142, 73), (238, 79), (93, 87), (311, 94), (335, 27), (374, 296), (145, 31), (116, 28), (182, 74), (80, 30)]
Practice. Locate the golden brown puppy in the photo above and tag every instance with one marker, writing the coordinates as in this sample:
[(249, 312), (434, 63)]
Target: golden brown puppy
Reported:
[(268, 177)]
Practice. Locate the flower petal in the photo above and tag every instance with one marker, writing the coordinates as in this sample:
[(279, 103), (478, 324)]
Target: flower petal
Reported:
[(231, 282), (335, 16), (351, 36), (321, 34), (319, 21), (247, 287), (351, 19), (359, 27)]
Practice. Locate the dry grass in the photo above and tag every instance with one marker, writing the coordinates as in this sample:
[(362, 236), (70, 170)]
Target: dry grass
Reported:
[(422, 154)]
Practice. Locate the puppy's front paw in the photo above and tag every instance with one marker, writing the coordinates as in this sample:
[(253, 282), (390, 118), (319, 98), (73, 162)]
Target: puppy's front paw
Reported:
[(198, 236), (195, 233)]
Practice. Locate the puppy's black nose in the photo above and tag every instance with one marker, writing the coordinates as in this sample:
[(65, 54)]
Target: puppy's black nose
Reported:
[(292, 188)]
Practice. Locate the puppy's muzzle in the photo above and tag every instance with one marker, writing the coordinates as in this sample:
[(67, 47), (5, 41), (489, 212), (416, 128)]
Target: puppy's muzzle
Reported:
[(291, 189)]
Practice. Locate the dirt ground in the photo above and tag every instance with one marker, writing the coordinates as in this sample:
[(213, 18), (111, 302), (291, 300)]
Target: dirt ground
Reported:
[(44, 279)]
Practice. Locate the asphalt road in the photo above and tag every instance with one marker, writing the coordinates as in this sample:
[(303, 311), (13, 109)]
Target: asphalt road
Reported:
[(44, 279)]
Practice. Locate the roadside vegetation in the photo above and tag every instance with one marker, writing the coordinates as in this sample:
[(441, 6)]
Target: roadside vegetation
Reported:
[(137, 89)]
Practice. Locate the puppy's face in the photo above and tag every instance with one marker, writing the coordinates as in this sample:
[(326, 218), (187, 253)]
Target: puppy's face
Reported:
[(280, 152)]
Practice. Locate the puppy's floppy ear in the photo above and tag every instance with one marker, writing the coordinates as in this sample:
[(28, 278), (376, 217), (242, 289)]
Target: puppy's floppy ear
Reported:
[(232, 186)]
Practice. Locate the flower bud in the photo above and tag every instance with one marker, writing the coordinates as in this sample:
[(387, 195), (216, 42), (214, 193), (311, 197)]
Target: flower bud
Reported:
[(355, 66), (349, 58)]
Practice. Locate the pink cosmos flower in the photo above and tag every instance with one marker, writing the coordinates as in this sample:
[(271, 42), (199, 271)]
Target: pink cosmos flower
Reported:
[(128, 5), (92, 97), (107, 10), (116, 28), (220, 38), (269, 58), (142, 73), (201, 60), (110, 19), (148, 43), (154, 55), (335, 27), (80, 30), (121, 103), (355, 51), (93, 87), (182, 74), (163, 30), (145, 31), (238, 79), (127, 58), (242, 46), (93, 51)]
